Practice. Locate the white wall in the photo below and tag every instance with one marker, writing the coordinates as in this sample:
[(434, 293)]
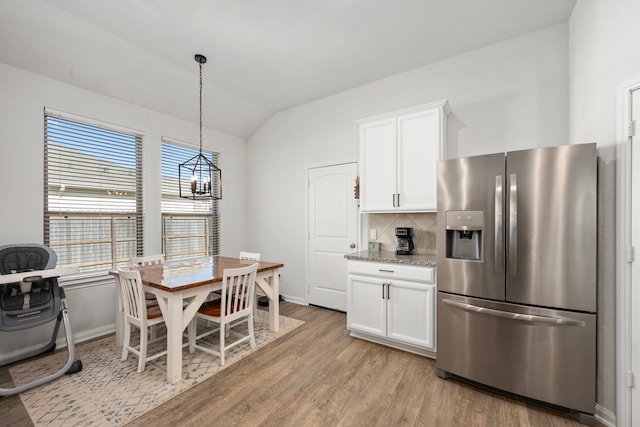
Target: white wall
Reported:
[(24, 95), (604, 54), (509, 95)]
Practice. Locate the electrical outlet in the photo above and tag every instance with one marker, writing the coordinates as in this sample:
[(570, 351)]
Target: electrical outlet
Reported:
[(373, 234)]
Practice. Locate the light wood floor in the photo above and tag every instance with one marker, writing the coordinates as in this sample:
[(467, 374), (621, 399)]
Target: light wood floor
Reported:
[(318, 375)]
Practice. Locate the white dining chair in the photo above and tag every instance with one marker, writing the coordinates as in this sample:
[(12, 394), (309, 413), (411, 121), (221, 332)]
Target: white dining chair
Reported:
[(141, 261), (138, 261), (138, 314), (253, 256), (236, 304)]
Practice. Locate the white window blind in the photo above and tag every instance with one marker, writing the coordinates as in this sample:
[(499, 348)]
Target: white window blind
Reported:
[(190, 228), (92, 193)]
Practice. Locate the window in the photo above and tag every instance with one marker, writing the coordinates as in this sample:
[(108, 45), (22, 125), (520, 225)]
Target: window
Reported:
[(92, 193), (190, 228)]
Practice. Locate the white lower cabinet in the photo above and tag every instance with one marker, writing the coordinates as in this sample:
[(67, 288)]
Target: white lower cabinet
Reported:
[(392, 304), (410, 313)]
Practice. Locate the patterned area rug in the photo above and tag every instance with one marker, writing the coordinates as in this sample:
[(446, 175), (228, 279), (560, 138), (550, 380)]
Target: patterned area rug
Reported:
[(109, 392)]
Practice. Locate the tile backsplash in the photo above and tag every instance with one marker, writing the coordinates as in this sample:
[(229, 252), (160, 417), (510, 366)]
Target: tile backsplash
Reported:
[(424, 230)]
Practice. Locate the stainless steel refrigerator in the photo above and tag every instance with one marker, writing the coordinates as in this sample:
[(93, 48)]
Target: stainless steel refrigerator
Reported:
[(516, 268)]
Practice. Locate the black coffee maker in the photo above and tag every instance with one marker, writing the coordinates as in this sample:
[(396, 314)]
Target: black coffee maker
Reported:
[(405, 242)]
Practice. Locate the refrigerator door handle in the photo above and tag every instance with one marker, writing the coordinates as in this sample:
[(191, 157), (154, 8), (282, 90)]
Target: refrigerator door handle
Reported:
[(531, 318), (498, 243), (513, 224)]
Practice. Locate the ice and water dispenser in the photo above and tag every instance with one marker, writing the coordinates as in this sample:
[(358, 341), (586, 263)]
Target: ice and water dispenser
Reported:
[(464, 231)]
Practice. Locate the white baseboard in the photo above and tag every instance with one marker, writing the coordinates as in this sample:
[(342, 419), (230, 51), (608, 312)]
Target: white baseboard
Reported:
[(605, 416), (295, 300)]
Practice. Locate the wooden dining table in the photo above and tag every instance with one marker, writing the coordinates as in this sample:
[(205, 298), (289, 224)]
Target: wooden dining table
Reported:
[(182, 286)]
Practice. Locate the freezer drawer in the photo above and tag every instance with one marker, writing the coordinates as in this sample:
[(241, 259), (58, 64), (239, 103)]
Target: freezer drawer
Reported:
[(547, 355)]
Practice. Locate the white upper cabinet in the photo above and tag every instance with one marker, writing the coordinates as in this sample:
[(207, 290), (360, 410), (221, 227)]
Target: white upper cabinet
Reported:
[(377, 165), (398, 158)]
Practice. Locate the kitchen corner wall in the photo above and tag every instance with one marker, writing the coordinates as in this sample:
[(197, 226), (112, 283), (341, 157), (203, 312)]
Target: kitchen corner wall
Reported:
[(508, 96), (602, 34), (424, 230)]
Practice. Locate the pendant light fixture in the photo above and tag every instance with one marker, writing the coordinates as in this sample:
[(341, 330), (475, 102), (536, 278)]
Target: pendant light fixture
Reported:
[(198, 177)]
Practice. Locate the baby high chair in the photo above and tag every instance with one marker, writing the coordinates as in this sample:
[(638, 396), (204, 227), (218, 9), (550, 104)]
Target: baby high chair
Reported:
[(30, 297)]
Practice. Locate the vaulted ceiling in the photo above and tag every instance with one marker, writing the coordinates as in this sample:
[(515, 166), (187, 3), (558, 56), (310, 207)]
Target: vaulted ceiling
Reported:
[(263, 56)]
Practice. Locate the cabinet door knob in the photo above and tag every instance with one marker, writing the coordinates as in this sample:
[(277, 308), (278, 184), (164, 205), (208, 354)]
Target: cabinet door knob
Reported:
[(352, 246)]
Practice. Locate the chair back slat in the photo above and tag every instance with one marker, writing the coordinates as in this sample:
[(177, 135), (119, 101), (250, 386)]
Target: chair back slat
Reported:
[(238, 289)]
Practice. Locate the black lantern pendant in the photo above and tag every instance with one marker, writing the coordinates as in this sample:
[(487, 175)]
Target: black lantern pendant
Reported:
[(198, 177)]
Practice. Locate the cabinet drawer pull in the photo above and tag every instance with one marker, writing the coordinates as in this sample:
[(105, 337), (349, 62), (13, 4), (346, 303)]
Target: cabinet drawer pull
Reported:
[(385, 271)]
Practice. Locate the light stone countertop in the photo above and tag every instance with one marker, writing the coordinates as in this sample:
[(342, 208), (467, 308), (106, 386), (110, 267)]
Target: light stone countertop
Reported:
[(421, 260)]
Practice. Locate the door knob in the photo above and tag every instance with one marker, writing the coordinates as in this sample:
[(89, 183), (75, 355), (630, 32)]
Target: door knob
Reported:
[(352, 246)]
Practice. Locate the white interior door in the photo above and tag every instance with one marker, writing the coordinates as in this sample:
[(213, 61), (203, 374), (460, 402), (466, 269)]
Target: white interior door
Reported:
[(635, 243), (627, 253), (333, 226)]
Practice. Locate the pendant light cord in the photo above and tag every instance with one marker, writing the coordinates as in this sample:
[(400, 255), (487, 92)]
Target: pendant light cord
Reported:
[(200, 59), (200, 63)]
